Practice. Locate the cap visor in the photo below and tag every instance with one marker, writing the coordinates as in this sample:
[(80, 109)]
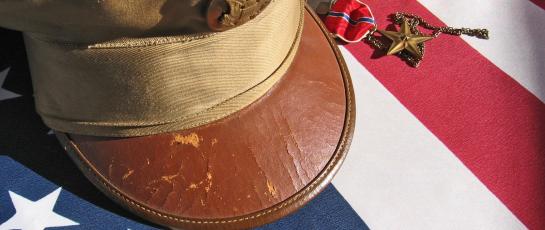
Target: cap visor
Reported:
[(247, 169)]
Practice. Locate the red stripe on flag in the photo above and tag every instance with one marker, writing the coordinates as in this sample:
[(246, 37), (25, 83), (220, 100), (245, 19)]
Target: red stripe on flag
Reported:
[(489, 121)]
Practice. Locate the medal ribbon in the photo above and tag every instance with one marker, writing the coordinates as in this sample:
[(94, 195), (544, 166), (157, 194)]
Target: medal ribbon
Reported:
[(350, 20)]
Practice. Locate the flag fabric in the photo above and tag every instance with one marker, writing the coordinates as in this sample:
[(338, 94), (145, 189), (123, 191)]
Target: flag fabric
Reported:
[(458, 143), (29, 201)]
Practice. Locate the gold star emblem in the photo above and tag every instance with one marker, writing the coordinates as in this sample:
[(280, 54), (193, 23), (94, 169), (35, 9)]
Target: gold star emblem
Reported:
[(405, 40)]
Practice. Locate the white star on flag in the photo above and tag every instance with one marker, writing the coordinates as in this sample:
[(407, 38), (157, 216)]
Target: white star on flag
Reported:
[(36, 215), (5, 94)]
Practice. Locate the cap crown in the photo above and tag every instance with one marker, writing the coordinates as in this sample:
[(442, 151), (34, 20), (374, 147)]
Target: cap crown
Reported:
[(100, 20)]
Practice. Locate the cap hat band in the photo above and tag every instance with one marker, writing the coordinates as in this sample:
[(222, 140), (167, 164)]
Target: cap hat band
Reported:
[(135, 87)]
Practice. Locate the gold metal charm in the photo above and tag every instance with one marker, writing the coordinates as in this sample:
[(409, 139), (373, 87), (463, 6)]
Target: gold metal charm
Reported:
[(405, 40), (227, 14)]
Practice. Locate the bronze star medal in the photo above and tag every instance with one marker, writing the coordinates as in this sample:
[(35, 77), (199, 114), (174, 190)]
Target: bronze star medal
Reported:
[(405, 40), (408, 43)]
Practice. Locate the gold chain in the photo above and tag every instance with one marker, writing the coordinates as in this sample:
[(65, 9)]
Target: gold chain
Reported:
[(414, 21), (417, 20)]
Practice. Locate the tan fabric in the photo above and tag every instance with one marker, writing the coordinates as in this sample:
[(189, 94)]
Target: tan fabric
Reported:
[(133, 87)]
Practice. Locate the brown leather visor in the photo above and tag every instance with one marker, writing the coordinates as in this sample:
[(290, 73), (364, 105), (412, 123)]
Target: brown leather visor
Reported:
[(244, 170)]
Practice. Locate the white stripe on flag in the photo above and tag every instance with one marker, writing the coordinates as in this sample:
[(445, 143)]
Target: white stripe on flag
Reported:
[(398, 175), (517, 32)]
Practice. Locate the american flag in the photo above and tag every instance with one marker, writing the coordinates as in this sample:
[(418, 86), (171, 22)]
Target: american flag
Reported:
[(458, 143)]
